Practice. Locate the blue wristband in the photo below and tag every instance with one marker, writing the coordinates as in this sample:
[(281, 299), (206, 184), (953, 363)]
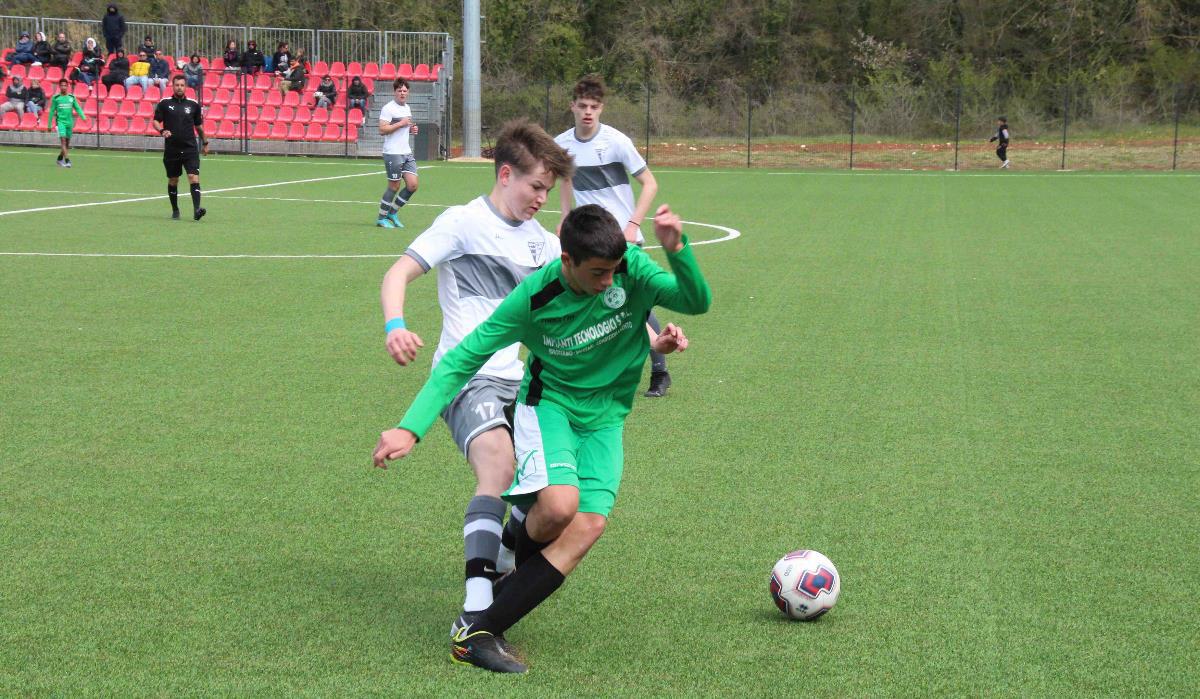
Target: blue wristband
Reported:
[(393, 324)]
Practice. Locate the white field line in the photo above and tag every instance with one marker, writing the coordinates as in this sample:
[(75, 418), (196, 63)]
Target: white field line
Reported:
[(163, 196), (729, 234)]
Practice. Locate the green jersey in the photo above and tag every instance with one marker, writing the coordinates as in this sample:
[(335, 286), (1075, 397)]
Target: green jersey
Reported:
[(586, 352), (63, 108)]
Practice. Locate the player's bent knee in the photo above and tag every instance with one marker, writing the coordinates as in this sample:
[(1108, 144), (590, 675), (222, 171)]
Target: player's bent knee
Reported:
[(557, 506), (592, 526)]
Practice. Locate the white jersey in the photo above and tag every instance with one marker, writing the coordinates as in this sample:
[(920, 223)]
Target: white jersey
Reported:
[(480, 257), (395, 143), (603, 164)]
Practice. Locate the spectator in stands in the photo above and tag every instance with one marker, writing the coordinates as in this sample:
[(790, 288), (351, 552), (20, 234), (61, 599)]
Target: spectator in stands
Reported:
[(23, 50), (61, 52), (147, 46), (139, 72), (41, 49), (326, 93), (15, 95), (231, 55), (252, 59), (293, 77), (35, 99), (114, 29), (91, 63), (303, 58), (193, 72), (118, 70), (357, 95), (281, 58), (160, 70)]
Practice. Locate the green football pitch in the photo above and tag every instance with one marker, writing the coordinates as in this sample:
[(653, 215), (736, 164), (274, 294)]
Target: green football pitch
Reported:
[(977, 393)]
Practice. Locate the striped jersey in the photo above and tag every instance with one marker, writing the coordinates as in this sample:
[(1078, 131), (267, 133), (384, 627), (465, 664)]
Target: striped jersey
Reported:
[(603, 165), (480, 257), (586, 352)]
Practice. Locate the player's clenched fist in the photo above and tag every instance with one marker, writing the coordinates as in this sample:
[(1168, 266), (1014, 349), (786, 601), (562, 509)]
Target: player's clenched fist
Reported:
[(403, 344), (668, 229), (671, 339)]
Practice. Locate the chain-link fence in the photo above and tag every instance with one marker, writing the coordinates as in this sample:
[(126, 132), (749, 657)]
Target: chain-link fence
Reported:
[(270, 38), (892, 126)]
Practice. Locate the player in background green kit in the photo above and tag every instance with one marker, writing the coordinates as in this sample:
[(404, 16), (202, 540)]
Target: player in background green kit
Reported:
[(62, 108), (582, 318)]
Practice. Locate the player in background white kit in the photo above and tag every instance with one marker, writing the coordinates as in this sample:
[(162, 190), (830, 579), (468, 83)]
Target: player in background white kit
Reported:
[(604, 160), (395, 125), (482, 251)]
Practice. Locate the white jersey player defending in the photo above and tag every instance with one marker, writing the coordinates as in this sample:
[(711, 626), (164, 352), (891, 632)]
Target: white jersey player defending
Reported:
[(482, 251)]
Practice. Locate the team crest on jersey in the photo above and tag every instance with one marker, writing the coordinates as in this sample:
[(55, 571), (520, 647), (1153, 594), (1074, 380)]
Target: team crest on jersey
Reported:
[(535, 248), (600, 152), (614, 297)]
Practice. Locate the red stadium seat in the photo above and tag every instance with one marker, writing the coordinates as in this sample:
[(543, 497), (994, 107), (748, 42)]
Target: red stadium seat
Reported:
[(354, 68), (228, 81), (120, 125), (109, 108), (337, 69), (134, 92), (76, 58), (104, 125), (292, 98), (116, 92), (81, 91), (355, 116), (387, 71), (216, 64), (251, 114), (370, 84), (17, 71), (258, 97), (314, 132), (90, 105), (85, 125), (286, 114), (274, 98), (303, 115), (145, 109), (295, 132), (137, 125), (319, 68), (222, 97), (320, 116), (262, 131), (190, 93), (421, 72), (54, 74), (405, 71), (127, 109), (266, 114), (279, 131), (28, 121), (35, 73), (333, 132), (203, 62), (437, 69), (210, 95), (370, 70), (227, 130), (262, 81), (153, 93), (210, 126), (337, 115), (215, 112)]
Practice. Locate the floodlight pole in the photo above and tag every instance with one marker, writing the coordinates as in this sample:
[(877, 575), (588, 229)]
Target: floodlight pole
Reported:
[(1175, 147), (472, 110), (749, 113), (957, 124), (852, 114)]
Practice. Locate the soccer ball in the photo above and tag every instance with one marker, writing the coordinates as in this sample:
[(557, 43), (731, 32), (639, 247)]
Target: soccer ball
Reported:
[(805, 585)]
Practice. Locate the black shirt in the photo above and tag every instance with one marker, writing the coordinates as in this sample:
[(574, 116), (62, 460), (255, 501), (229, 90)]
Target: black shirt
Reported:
[(1001, 135), (181, 116)]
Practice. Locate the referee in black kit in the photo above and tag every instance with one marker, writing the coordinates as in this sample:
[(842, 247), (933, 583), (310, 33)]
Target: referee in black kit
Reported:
[(179, 120)]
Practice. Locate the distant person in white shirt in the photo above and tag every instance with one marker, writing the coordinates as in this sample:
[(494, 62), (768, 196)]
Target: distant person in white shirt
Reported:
[(395, 124), (482, 250), (604, 160)]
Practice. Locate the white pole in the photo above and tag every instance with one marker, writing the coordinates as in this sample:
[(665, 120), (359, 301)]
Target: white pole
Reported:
[(471, 82)]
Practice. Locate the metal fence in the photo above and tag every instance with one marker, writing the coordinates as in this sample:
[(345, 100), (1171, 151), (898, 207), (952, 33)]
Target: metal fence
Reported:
[(210, 41), (163, 36), (77, 30), (269, 38), (415, 48), (12, 26), (348, 45), (1069, 126)]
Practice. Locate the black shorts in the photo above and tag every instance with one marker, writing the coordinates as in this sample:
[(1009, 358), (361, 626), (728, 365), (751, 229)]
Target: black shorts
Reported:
[(176, 161)]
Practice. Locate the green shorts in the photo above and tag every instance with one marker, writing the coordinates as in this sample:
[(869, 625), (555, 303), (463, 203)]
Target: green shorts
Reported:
[(64, 130), (551, 451)]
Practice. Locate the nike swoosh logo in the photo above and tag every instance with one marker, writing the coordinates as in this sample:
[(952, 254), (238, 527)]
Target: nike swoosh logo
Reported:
[(462, 633)]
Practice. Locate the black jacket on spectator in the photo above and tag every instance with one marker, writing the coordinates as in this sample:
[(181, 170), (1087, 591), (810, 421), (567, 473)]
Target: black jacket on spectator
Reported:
[(253, 58), (118, 70), (17, 92), (281, 59), (92, 61), (232, 59), (328, 88), (357, 90), (297, 78), (113, 24), (42, 50), (37, 95), (62, 53)]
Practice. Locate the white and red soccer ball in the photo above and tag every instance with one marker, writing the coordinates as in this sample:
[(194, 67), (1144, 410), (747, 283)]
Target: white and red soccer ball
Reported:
[(805, 585)]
